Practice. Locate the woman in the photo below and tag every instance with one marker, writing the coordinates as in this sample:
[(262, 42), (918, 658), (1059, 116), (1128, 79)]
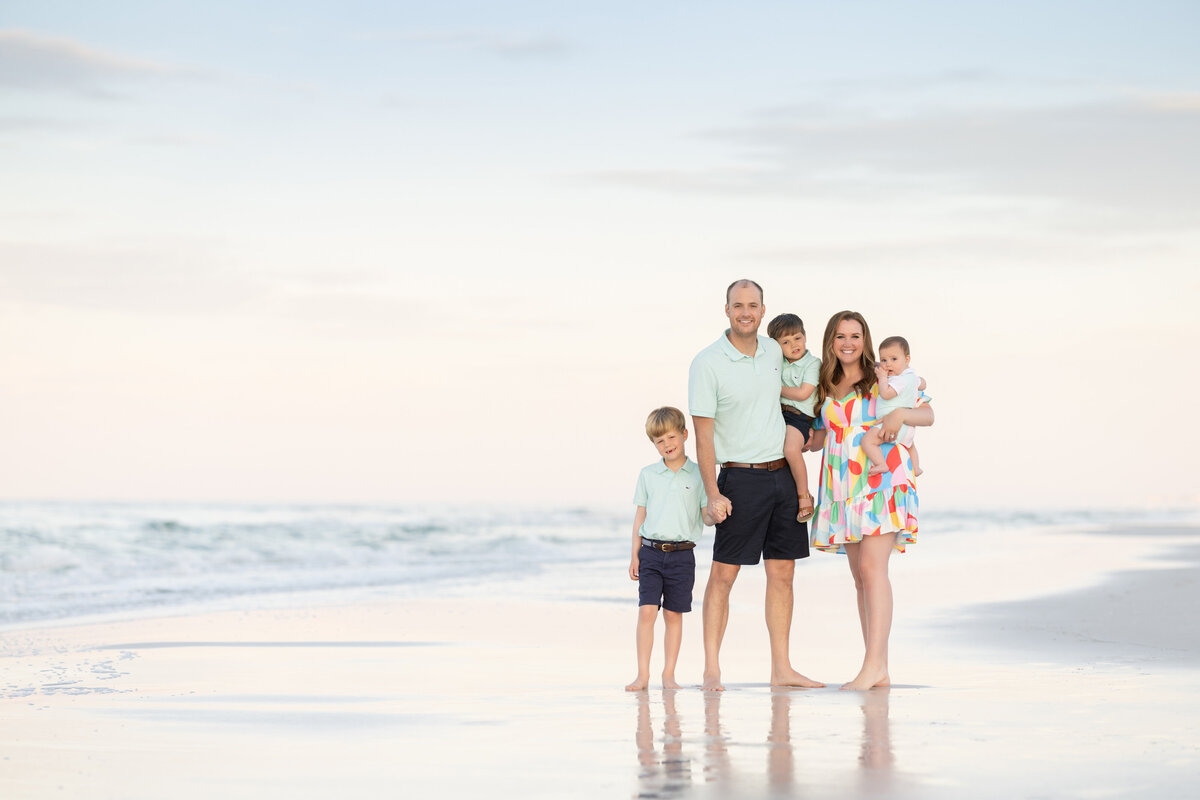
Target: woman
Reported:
[(866, 516)]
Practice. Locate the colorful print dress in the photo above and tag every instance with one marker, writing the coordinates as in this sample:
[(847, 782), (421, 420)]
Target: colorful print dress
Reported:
[(850, 503)]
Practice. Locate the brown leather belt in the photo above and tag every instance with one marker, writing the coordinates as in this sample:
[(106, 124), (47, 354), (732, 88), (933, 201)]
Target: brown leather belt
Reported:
[(794, 410), (778, 463), (668, 547)]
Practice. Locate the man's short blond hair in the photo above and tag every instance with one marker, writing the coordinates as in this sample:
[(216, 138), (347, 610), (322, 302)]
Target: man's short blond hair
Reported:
[(664, 420)]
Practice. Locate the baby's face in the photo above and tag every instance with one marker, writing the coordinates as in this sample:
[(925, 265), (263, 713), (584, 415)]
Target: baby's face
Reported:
[(792, 345), (893, 359)]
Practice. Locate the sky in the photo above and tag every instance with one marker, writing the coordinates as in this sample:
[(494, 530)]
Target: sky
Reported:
[(454, 252)]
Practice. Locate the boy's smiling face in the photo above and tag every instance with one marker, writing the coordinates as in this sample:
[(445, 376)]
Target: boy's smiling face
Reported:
[(793, 345), (892, 359), (670, 445)]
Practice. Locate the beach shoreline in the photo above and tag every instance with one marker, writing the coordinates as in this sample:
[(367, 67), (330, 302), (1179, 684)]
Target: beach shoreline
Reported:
[(369, 697)]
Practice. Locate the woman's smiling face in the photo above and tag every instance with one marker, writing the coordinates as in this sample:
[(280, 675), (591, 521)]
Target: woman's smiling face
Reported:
[(848, 341)]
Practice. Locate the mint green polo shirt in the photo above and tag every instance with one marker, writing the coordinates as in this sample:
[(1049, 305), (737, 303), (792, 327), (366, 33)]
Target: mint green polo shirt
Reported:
[(805, 369), (741, 394), (673, 502)]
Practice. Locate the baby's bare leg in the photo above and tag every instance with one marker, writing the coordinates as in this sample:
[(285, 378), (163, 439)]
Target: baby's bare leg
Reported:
[(672, 636), (793, 444), (912, 452), (645, 642), (871, 442)]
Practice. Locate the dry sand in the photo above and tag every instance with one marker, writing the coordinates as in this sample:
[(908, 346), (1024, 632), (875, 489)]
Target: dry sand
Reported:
[(1077, 680)]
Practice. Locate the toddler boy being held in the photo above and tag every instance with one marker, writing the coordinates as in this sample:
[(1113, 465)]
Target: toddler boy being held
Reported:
[(670, 517)]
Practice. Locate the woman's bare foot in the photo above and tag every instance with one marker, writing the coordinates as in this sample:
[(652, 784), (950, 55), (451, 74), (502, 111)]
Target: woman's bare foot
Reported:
[(639, 684), (669, 682), (807, 510), (790, 677), (869, 678), (712, 683)]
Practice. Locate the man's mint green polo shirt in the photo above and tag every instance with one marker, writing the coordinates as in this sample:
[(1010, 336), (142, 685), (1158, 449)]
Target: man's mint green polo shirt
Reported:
[(741, 394), (673, 502)]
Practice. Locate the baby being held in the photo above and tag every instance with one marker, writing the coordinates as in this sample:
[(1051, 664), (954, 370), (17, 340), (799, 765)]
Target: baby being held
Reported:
[(899, 387)]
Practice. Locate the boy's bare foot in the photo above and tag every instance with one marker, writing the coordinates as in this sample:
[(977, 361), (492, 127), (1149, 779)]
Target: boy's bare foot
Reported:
[(712, 683), (639, 684), (790, 677), (669, 682), (806, 508), (869, 678), (876, 469)]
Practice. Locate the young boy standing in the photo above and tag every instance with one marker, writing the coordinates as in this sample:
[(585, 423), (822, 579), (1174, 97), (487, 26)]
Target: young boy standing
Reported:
[(670, 517)]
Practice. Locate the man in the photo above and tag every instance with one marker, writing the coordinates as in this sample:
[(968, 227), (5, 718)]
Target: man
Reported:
[(733, 396)]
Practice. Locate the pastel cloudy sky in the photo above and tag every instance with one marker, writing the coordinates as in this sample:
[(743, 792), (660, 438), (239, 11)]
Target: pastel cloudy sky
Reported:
[(456, 251)]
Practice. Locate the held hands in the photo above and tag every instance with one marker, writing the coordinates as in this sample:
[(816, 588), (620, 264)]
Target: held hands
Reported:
[(719, 507)]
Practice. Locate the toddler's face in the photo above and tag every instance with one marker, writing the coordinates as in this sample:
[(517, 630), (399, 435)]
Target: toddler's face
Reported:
[(893, 359), (670, 445), (792, 345)]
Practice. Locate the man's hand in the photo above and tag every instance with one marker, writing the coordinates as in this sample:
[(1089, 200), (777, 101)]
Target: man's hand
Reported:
[(719, 508), (816, 440)]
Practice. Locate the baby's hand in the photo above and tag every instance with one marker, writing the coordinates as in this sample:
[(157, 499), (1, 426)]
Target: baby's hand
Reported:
[(881, 373)]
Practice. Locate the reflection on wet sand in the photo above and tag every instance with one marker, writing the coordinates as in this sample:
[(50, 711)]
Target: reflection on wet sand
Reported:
[(666, 771), (670, 774)]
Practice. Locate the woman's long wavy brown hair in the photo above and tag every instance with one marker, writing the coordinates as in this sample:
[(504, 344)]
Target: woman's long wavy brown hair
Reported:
[(831, 368)]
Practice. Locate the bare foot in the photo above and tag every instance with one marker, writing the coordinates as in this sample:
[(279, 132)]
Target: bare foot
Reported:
[(876, 469), (669, 682), (918, 472), (639, 684), (790, 677), (712, 683), (869, 678)]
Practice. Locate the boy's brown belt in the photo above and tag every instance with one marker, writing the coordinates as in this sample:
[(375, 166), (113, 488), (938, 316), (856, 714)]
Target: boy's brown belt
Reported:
[(778, 463), (669, 547)]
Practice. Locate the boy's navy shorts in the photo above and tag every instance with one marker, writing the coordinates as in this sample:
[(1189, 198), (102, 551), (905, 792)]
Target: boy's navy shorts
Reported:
[(798, 420), (666, 579), (763, 523)]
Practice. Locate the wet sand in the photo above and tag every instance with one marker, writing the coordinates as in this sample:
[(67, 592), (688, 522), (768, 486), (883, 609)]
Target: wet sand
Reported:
[(1035, 691)]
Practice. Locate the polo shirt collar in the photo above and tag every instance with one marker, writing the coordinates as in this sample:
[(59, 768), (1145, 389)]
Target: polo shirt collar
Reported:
[(688, 466), (733, 353)]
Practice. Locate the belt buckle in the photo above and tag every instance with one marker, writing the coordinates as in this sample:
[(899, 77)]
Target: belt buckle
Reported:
[(667, 547)]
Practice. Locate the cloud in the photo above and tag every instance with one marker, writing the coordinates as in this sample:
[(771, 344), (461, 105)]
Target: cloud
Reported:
[(1133, 155), (512, 46), (150, 278), (42, 63)]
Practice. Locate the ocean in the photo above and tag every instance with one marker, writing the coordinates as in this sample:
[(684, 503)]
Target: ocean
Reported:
[(61, 560)]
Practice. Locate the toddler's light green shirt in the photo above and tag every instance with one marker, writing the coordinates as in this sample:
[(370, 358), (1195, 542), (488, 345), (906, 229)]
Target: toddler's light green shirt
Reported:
[(806, 369)]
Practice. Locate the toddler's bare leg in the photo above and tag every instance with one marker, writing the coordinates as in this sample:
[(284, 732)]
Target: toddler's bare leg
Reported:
[(871, 442), (672, 636), (645, 643), (912, 452), (793, 444)]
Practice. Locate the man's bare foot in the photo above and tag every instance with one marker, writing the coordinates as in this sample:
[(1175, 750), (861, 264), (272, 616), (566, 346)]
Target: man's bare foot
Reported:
[(869, 679), (789, 677), (669, 682), (712, 683), (639, 684), (876, 469)]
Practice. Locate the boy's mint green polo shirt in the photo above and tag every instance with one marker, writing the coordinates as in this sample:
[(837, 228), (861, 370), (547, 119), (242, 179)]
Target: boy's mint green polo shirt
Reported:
[(741, 394), (805, 369), (673, 502)]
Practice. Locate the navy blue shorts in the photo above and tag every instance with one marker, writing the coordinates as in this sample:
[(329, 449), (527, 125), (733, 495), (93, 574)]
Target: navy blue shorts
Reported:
[(798, 420), (763, 523), (666, 579)]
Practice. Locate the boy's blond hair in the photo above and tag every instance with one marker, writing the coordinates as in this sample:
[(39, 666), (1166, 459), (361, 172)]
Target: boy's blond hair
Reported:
[(664, 420)]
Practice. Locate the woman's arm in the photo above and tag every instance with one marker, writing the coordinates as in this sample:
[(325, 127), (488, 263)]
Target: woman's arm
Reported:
[(920, 417)]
